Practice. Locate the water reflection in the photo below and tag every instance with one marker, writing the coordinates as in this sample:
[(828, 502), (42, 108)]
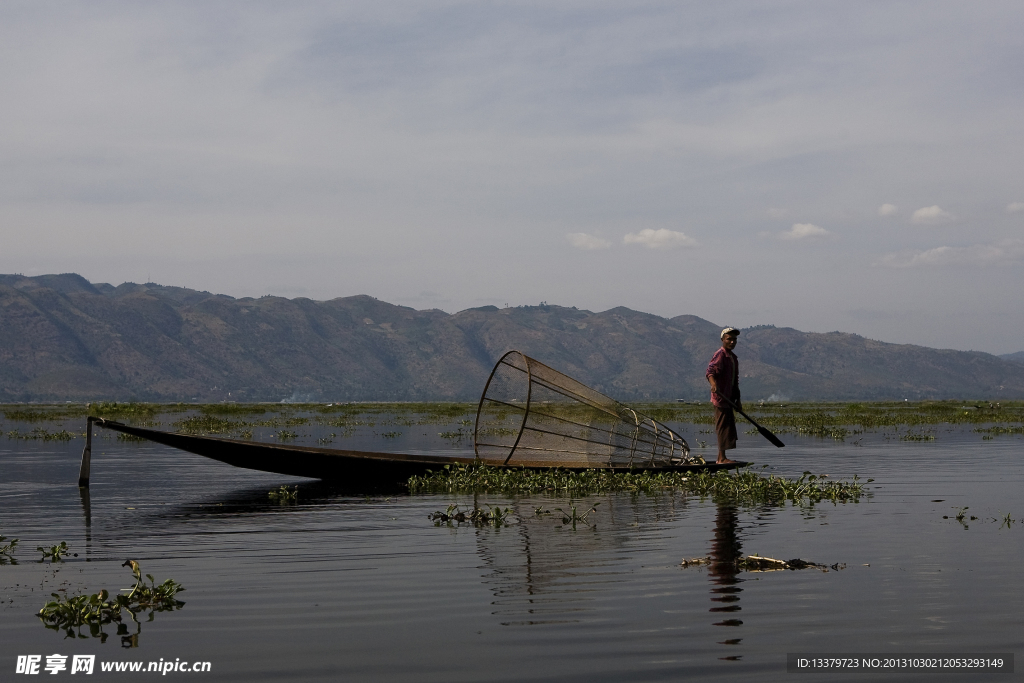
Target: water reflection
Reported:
[(724, 571)]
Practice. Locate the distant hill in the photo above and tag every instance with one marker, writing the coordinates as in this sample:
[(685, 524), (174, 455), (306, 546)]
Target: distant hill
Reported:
[(64, 338), (1015, 357)]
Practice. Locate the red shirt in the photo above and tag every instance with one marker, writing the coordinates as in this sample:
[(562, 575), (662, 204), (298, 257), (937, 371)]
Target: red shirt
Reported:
[(725, 369)]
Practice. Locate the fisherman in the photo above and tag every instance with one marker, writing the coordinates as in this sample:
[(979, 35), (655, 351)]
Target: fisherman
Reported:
[(724, 376)]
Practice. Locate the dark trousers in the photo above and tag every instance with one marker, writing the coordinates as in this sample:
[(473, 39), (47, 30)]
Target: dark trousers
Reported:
[(725, 428)]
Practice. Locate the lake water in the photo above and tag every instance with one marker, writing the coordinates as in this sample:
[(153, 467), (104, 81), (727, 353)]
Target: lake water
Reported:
[(353, 587)]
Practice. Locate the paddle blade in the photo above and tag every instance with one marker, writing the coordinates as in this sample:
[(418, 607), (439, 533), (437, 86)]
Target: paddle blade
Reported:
[(771, 437)]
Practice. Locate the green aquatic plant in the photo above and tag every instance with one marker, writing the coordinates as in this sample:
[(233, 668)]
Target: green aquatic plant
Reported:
[(284, 494), (574, 516), (45, 413), (208, 424), (992, 431), (492, 516), (457, 436), (114, 410), (41, 434), (55, 553), (744, 484), (69, 613), (918, 436), (131, 438), (7, 548)]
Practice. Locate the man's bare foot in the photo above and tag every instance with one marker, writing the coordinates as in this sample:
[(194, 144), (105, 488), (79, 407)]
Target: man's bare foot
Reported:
[(725, 461)]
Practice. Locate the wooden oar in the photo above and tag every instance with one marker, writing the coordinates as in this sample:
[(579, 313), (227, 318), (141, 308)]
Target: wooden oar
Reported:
[(764, 432)]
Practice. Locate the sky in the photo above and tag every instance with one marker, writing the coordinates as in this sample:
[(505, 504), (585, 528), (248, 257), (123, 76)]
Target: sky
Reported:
[(818, 165)]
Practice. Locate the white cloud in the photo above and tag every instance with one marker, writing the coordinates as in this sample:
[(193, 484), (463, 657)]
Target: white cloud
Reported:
[(801, 231), (932, 215), (582, 240), (660, 239), (888, 210), (1007, 251), (1015, 207)]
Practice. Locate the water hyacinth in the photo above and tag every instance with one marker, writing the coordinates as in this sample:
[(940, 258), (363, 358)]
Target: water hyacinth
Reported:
[(69, 613), (744, 484)]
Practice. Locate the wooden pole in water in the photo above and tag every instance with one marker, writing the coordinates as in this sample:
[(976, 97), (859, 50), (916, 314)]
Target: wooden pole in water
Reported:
[(83, 474)]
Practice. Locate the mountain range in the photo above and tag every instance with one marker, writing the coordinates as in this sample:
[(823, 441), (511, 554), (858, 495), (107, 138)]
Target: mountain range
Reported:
[(64, 338)]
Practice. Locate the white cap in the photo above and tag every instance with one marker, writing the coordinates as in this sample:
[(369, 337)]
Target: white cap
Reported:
[(730, 330)]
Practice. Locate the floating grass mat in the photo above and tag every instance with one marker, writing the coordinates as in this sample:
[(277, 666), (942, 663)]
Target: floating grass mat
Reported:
[(745, 484), (41, 434)]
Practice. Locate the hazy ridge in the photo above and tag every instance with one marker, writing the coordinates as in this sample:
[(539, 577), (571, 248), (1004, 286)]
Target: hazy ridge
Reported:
[(64, 338)]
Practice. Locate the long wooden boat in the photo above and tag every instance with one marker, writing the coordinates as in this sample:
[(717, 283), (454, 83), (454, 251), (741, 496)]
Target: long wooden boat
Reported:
[(333, 464)]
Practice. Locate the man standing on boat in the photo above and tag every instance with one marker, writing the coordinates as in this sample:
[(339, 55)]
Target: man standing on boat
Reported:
[(724, 376)]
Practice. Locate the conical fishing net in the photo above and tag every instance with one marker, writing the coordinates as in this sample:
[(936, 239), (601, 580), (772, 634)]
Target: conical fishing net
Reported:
[(532, 415)]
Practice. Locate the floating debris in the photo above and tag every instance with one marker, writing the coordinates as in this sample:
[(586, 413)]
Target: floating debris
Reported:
[(695, 562), (759, 563)]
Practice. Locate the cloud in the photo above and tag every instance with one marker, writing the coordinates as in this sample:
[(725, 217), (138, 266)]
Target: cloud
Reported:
[(801, 231), (1015, 207), (582, 240), (775, 212), (660, 239), (1007, 251), (932, 215), (888, 210)]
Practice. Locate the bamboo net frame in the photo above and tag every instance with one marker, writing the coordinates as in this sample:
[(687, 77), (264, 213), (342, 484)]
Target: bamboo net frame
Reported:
[(533, 415)]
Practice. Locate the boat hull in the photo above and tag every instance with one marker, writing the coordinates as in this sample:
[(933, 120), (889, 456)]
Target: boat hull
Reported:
[(340, 465)]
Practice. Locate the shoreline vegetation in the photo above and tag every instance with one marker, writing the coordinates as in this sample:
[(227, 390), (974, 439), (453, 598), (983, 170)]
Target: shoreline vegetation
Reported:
[(824, 419)]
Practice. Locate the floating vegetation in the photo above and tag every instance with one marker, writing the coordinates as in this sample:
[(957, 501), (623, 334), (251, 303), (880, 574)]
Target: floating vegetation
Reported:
[(207, 424), (55, 553), (122, 436), (390, 435), (492, 516), (284, 495), (45, 414), (830, 418), (99, 609), (233, 409), (42, 435), (457, 436), (758, 563), (992, 431), (745, 484), (918, 436), (116, 410), (7, 549), (284, 435), (574, 516)]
